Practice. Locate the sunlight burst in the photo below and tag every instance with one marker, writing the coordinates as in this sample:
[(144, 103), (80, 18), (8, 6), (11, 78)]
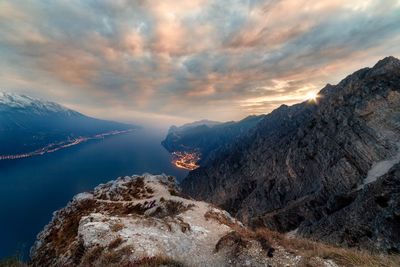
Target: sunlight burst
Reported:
[(312, 96)]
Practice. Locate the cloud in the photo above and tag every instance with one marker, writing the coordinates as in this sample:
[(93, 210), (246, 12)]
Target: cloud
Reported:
[(186, 60)]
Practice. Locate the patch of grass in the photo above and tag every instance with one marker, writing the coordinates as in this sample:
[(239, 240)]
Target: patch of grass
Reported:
[(155, 262), (149, 190), (115, 243), (13, 261), (174, 192), (171, 208), (108, 258), (240, 238), (117, 227), (219, 217), (92, 255), (138, 208), (350, 257), (234, 241), (61, 237), (184, 225)]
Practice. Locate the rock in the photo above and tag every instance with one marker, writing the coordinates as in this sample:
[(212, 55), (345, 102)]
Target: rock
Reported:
[(145, 220)]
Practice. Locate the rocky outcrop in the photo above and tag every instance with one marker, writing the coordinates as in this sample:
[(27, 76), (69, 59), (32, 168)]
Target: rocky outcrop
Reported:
[(146, 221), (324, 169)]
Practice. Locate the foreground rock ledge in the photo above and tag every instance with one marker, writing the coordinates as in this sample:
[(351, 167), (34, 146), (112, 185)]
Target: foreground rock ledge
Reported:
[(144, 220)]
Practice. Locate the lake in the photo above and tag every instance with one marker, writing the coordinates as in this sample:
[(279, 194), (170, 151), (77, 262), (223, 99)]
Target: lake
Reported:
[(31, 189)]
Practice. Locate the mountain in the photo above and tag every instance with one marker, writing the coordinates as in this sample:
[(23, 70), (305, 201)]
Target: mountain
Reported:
[(206, 137), (28, 124), (146, 221), (194, 124), (327, 170)]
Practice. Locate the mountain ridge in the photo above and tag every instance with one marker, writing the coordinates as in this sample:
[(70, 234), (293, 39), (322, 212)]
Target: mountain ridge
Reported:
[(29, 124), (303, 158), (205, 138)]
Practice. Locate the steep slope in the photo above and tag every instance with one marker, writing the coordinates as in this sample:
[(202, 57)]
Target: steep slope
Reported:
[(312, 167), (206, 137), (28, 124), (144, 220)]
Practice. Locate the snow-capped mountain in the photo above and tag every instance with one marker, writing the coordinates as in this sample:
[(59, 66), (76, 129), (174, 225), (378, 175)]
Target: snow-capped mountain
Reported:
[(22, 103), (28, 124)]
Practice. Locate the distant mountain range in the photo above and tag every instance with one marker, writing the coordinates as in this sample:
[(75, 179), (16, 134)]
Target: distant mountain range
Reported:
[(327, 170), (28, 124), (207, 137)]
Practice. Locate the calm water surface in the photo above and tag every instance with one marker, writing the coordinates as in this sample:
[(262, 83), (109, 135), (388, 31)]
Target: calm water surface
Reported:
[(32, 188)]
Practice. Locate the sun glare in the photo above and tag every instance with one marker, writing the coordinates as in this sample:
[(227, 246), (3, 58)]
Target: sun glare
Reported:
[(312, 96)]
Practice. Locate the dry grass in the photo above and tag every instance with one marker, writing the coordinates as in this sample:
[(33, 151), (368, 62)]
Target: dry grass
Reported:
[(173, 191), (184, 225), (240, 237), (233, 240), (171, 208), (117, 227), (92, 255), (115, 243), (219, 217), (343, 256), (149, 190), (14, 261), (63, 238), (98, 256), (135, 189), (155, 262)]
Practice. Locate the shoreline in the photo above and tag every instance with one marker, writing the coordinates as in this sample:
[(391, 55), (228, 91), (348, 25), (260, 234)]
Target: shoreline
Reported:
[(51, 148)]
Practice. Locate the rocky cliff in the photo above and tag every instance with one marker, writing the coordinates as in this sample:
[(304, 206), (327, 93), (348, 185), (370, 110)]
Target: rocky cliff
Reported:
[(145, 221), (326, 169)]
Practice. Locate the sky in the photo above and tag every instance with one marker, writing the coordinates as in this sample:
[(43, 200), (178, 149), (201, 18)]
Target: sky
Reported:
[(170, 61)]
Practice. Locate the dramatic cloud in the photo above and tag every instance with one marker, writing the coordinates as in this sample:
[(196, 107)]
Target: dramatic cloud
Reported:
[(171, 61)]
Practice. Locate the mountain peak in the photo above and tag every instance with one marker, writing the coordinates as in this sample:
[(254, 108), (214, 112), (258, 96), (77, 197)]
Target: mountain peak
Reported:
[(30, 104), (388, 61), (386, 65), (306, 160)]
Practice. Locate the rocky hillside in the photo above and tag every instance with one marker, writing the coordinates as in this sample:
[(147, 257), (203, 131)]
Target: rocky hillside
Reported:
[(28, 124), (146, 221), (326, 170), (207, 137)]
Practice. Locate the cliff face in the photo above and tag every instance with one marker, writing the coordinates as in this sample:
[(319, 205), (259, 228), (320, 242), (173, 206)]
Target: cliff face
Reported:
[(327, 169), (145, 221)]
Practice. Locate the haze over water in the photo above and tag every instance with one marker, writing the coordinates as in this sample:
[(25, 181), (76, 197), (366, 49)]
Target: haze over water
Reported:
[(35, 187)]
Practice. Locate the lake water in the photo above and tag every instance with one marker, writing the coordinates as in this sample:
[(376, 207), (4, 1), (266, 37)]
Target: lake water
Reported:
[(32, 188)]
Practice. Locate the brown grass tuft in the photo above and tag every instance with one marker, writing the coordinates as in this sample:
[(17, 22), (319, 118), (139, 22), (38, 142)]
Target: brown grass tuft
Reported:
[(219, 217), (14, 261), (171, 209), (117, 227), (115, 243), (155, 262), (350, 257), (92, 255)]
